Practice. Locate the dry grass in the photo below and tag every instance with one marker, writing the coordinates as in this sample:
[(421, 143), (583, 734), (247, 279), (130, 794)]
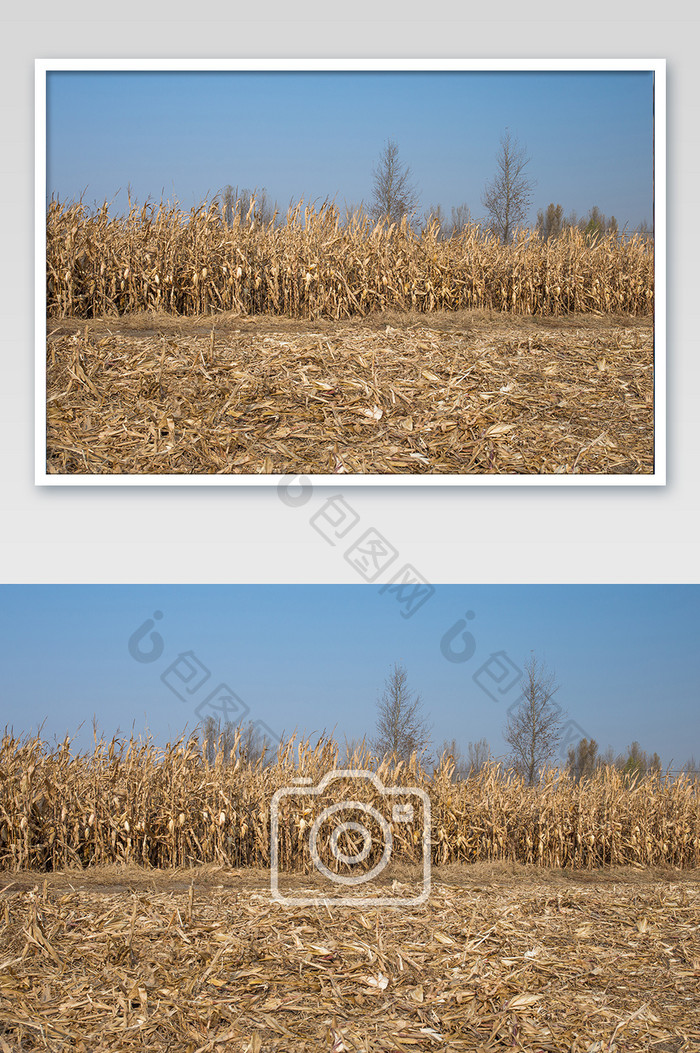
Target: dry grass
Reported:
[(527, 965), (460, 393), (131, 801), (160, 257), (416, 397), (502, 956)]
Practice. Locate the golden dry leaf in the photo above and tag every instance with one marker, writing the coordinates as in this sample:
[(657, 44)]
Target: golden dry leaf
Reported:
[(442, 938), (521, 1000), (498, 429)]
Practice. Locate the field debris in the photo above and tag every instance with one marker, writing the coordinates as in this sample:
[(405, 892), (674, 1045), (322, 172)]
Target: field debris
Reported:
[(530, 964), (466, 394)]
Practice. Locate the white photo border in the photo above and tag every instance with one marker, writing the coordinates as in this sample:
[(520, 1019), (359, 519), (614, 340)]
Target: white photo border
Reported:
[(44, 66)]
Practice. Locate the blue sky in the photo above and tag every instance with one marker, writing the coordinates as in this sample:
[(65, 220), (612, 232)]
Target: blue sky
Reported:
[(185, 135), (316, 657)]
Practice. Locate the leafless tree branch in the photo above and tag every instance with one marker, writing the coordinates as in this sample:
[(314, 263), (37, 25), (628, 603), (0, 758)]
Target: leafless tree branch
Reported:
[(401, 727), (533, 731), (393, 194), (508, 196)]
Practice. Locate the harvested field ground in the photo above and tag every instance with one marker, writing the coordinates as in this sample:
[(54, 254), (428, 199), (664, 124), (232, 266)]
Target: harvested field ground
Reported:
[(467, 392), (502, 957)]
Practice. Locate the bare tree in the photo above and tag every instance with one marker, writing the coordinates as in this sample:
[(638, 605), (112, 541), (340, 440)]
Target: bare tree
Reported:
[(691, 768), (645, 231), (249, 206), (461, 218), (218, 738), (435, 214), (478, 755), (639, 763), (353, 213), (401, 727), (356, 753), (583, 759), (393, 194), (255, 745), (533, 731), (596, 224), (550, 223), (247, 741), (507, 197), (451, 749), (228, 206), (610, 759)]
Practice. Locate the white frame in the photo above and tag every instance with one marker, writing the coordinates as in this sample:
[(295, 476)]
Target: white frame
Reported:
[(657, 66)]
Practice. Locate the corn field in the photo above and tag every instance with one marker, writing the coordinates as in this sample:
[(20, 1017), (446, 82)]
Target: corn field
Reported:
[(131, 801), (313, 266)]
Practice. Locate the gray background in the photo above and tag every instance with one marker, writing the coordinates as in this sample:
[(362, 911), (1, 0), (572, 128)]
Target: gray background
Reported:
[(586, 534)]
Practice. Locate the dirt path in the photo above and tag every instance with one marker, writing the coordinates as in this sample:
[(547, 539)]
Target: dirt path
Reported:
[(114, 879)]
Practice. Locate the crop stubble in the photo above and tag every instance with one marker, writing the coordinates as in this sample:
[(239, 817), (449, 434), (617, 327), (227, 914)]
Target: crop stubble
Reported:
[(527, 964), (472, 393)]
